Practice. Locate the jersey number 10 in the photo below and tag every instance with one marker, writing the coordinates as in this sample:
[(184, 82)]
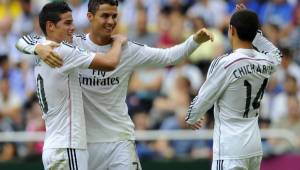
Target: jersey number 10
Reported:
[(41, 94), (257, 99)]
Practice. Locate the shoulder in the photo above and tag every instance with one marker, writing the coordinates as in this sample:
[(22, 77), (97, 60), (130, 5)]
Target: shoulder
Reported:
[(81, 36), (32, 38), (133, 47), (134, 44), (65, 48), (221, 60), (68, 45)]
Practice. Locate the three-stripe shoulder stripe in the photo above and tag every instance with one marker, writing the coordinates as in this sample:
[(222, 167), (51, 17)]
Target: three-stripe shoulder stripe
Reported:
[(80, 35), (31, 39), (215, 62), (68, 44), (28, 40), (190, 108), (72, 159), (220, 164)]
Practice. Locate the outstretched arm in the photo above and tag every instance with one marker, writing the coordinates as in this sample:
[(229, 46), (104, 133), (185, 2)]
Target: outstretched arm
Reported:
[(148, 56)]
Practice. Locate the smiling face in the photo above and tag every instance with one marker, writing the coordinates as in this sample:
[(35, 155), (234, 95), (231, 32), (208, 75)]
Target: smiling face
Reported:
[(63, 30), (104, 21)]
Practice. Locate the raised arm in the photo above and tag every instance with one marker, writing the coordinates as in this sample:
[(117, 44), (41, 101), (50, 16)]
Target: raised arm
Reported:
[(162, 57), (109, 61), (263, 45)]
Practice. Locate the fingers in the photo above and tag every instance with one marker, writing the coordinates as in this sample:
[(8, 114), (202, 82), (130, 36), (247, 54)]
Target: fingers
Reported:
[(207, 34), (240, 7), (55, 58), (196, 125), (243, 6), (49, 62), (53, 45)]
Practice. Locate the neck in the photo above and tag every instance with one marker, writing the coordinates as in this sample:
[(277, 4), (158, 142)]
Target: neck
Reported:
[(100, 40), (236, 44), (52, 38)]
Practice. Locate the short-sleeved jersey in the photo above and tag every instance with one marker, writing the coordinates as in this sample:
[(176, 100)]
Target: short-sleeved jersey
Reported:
[(235, 86), (60, 97)]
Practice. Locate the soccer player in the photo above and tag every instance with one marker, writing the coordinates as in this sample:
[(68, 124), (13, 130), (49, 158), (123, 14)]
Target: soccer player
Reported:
[(59, 91), (235, 85), (110, 131)]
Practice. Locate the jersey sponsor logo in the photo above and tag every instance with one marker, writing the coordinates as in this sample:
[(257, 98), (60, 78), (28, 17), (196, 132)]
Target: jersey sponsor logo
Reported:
[(99, 79)]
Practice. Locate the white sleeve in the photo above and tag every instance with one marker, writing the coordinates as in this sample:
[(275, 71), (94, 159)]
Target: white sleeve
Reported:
[(216, 82), (27, 43), (263, 45), (74, 57), (161, 57)]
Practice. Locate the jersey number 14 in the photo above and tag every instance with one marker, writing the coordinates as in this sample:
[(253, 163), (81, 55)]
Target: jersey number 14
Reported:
[(257, 99)]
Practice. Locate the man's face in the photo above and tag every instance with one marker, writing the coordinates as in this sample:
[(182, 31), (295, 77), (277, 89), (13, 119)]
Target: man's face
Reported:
[(64, 29), (105, 20)]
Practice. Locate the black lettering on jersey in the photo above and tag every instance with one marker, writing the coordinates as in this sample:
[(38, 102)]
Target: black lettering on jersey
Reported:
[(137, 43)]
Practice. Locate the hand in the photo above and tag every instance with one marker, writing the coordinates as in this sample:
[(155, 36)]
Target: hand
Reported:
[(46, 53), (196, 125), (240, 7), (120, 38), (203, 35)]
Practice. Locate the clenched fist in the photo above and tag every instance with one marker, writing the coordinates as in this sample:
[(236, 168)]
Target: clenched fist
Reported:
[(203, 35)]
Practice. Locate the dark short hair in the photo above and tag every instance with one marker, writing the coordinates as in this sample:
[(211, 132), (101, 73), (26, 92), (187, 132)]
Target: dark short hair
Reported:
[(93, 5), (246, 23), (51, 12), (286, 52)]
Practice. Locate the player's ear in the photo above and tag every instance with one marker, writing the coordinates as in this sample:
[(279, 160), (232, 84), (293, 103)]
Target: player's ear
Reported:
[(50, 26), (232, 30), (90, 16)]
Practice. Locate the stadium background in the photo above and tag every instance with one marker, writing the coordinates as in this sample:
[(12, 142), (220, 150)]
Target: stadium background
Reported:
[(158, 97)]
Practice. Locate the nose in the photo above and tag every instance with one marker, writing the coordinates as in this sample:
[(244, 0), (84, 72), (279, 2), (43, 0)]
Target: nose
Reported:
[(110, 20), (72, 28)]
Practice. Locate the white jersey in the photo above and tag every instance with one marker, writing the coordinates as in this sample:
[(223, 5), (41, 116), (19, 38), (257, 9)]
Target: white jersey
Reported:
[(104, 92), (60, 97), (235, 86)]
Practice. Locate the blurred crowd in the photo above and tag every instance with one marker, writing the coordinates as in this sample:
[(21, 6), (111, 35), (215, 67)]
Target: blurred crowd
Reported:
[(158, 98)]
